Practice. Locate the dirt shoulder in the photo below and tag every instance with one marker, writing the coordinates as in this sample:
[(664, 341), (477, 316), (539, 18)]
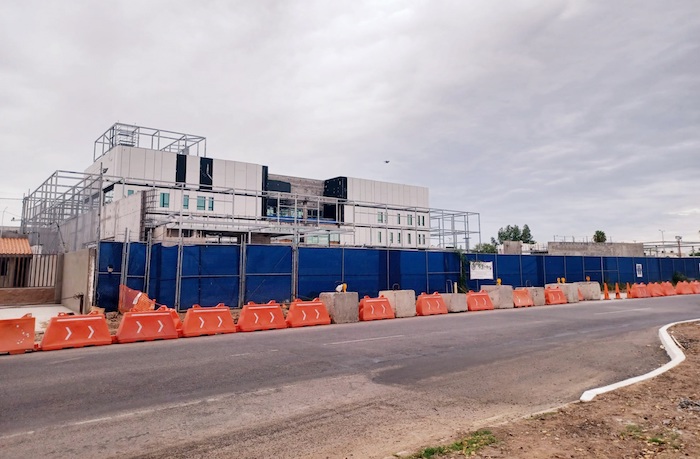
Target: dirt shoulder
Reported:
[(659, 418)]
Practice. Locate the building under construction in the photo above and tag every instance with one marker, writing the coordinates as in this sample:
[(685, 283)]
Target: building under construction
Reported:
[(155, 185)]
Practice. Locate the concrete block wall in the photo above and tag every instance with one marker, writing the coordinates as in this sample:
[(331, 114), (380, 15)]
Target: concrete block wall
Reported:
[(501, 295), (590, 290), (537, 294), (402, 301), (343, 307), (455, 302)]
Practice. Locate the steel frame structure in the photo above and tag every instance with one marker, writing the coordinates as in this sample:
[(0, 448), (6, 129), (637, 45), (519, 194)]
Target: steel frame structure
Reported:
[(65, 195), (144, 137)]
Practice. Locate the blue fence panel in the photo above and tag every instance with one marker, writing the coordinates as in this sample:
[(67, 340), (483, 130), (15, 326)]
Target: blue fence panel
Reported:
[(611, 271), (108, 275), (574, 269), (691, 267), (413, 269), (366, 271), (320, 270), (593, 268), (509, 269), (209, 275), (136, 266), (268, 273), (653, 266), (163, 274), (554, 267), (666, 268), (627, 269), (531, 273), (443, 268)]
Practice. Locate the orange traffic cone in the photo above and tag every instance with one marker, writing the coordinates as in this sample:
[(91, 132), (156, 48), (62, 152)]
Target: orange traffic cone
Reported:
[(606, 294), (617, 291)]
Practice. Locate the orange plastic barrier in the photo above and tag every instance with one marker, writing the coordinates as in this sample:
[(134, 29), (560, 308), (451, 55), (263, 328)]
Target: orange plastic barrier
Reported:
[(481, 301), (521, 298), (554, 295), (655, 290), (695, 285), (146, 326), (376, 308), (176, 319), (66, 331), (201, 321), (17, 335), (307, 313), (428, 305), (668, 289), (134, 300), (255, 317), (684, 288), (638, 291)]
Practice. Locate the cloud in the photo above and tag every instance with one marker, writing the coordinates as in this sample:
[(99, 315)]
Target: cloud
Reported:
[(570, 116)]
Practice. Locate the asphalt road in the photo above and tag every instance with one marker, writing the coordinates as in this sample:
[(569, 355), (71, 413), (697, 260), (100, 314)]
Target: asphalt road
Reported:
[(357, 390)]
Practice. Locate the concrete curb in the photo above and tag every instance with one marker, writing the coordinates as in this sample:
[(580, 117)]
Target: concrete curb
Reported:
[(673, 351)]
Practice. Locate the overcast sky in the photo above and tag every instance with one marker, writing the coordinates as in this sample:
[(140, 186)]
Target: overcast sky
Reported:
[(570, 116)]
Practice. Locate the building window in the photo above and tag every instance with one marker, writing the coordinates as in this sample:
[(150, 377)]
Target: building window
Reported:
[(201, 202), (129, 192), (380, 217), (410, 220), (186, 201), (379, 237), (165, 200), (398, 237), (211, 203), (391, 237), (409, 238), (398, 219)]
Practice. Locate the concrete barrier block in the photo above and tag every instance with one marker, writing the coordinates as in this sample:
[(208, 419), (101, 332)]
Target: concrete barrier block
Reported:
[(455, 302), (501, 295), (403, 301), (537, 294), (570, 291), (343, 307), (590, 290)]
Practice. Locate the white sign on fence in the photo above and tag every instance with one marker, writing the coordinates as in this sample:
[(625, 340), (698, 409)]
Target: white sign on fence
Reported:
[(639, 270), (481, 270)]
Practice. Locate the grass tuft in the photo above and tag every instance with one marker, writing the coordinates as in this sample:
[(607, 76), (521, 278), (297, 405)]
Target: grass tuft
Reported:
[(467, 446)]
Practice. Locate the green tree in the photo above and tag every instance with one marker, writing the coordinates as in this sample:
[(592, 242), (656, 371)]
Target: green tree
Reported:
[(600, 236), (485, 248), (514, 233)]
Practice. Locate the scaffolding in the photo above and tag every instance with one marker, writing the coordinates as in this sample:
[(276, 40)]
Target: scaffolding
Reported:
[(69, 196), (144, 137)]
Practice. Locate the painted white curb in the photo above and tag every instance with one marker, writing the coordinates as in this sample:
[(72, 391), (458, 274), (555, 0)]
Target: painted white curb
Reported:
[(673, 351)]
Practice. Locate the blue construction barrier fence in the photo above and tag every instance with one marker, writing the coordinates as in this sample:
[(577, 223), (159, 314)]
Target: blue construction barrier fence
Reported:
[(235, 275), (538, 270)]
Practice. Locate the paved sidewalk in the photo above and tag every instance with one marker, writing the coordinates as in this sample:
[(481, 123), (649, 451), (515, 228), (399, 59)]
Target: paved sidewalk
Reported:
[(42, 312)]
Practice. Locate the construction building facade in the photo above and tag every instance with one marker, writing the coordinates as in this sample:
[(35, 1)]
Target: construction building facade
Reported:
[(154, 185)]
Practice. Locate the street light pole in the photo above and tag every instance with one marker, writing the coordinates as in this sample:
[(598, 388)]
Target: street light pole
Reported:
[(678, 239), (663, 242)]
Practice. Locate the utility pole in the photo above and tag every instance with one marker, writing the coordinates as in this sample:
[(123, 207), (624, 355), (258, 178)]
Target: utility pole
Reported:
[(678, 239)]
